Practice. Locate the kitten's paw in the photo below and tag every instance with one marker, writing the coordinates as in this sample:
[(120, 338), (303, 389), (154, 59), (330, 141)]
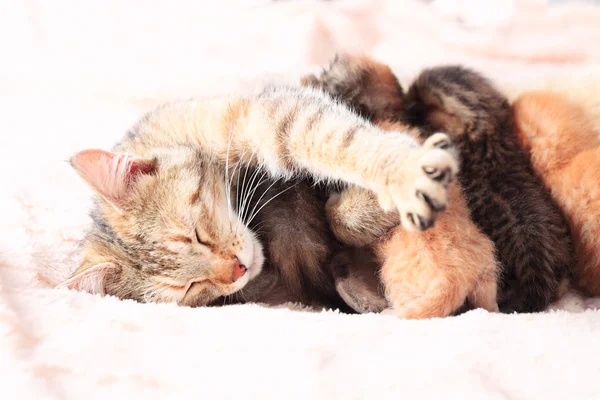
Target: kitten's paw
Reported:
[(593, 303), (422, 191), (398, 313)]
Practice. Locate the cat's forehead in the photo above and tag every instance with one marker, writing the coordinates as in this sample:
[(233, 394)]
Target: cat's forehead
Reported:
[(181, 197)]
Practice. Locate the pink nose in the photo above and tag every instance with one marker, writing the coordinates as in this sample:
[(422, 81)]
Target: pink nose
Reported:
[(238, 270)]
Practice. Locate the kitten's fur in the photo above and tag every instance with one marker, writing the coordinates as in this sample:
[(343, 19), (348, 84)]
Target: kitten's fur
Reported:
[(298, 244), (426, 274), (565, 151), (507, 201), (165, 225)]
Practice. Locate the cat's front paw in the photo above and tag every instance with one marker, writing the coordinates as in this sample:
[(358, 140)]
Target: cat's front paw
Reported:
[(420, 191)]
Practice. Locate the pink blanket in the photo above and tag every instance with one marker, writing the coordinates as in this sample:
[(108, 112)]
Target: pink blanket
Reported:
[(77, 74)]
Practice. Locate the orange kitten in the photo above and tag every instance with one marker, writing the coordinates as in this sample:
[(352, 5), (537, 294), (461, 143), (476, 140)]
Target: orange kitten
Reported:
[(431, 273), (565, 151)]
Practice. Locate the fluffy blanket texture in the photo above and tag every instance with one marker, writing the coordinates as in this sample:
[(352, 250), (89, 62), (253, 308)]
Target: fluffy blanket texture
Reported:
[(77, 74)]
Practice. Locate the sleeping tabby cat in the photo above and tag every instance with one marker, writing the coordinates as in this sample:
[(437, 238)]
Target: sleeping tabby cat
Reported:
[(172, 216)]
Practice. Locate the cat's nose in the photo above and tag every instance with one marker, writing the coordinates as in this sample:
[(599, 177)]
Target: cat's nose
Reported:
[(238, 269)]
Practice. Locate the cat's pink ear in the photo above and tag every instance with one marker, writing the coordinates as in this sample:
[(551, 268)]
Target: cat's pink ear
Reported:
[(91, 279), (110, 174)]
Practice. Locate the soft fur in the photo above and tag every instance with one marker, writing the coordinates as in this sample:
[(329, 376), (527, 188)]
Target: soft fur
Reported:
[(565, 151), (427, 274), (58, 344), (507, 200), (290, 223)]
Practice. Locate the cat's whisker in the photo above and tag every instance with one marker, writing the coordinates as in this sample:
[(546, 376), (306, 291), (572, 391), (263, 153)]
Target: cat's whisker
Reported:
[(239, 194), (260, 225), (263, 179), (237, 191), (235, 169), (245, 190), (250, 192), (271, 199), (258, 228), (227, 186), (252, 213), (242, 193)]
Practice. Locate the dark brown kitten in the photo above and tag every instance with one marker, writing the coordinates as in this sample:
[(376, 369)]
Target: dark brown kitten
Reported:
[(507, 201), (299, 247)]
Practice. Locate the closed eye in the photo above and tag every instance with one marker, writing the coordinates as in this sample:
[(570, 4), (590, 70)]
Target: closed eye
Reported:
[(199, 239)]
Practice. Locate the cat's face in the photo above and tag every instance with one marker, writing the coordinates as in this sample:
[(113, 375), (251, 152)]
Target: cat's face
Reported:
[(164, 230)]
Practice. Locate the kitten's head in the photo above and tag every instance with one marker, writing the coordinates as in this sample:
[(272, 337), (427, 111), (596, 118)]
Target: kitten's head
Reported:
[(368, 87), (163, 230)]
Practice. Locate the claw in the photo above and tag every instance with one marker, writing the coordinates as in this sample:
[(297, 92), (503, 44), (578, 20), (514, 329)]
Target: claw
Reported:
[(444, 176), (439, 140), (437, 174), (425, 223), (432, 204), (443, 144), (429, 170)]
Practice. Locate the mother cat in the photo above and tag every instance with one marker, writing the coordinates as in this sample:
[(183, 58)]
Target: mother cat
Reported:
[(166, 228)]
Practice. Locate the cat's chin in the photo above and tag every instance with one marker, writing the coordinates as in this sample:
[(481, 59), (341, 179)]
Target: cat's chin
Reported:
[(252, 257), (257, 262)]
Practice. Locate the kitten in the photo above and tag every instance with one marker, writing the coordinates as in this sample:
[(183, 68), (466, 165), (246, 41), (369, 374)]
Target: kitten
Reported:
[(165, 227), (425, 274), (565, 151), (298, 245), (507, 200)]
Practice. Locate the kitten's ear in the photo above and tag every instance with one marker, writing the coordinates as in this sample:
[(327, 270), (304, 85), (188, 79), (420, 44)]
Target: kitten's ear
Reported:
[(111, 174), (91, 279)]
